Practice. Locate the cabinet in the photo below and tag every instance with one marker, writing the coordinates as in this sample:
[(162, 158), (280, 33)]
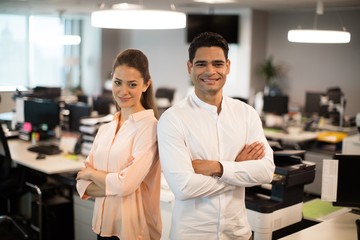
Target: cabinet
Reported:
[(48, 204), (83, 211)]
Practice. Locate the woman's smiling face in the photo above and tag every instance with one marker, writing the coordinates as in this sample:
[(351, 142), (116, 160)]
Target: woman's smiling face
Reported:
[(127, 88)]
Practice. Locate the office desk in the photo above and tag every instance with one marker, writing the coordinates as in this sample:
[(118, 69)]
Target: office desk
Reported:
[(300, 137), (49, 205), (340, 227), (50, 165), (329, 127)]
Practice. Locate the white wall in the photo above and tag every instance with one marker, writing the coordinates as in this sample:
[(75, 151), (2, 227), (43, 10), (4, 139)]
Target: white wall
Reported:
[(315, 67)]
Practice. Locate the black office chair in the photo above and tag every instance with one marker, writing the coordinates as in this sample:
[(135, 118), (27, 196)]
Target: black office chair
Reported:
[(164, 92), (11, 182)]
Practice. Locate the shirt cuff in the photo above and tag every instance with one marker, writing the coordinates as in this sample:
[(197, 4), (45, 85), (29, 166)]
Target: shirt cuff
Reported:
[(81, 186), (228, 171)]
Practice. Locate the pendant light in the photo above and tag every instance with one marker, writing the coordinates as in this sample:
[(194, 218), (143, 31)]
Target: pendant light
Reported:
[(318, 36), (130, 16)]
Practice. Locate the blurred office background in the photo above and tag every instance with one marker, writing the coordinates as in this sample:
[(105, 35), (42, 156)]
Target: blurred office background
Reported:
[(262, 33), (33, 64)]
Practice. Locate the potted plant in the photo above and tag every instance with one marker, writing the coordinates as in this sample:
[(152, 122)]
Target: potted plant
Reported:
[(270, 72)]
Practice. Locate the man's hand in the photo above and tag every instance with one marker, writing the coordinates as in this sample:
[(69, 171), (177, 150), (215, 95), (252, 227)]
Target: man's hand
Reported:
[(253, 151), (207, 167)]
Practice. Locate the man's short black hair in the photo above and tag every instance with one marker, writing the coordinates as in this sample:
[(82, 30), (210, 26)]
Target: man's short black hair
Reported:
[(208, 39)]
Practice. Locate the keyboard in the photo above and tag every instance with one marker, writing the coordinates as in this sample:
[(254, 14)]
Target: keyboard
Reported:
[(47, 149)]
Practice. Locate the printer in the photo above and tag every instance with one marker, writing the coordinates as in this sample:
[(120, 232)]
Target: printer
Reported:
[(271, 207)]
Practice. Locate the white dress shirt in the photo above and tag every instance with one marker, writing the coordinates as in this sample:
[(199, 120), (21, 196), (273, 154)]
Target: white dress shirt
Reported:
[(210, 207)]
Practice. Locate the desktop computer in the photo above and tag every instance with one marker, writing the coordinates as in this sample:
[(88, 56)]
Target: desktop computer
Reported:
[(38, 116), (77, 111)]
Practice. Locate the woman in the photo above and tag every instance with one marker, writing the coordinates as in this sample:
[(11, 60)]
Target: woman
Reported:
[(122, 171)]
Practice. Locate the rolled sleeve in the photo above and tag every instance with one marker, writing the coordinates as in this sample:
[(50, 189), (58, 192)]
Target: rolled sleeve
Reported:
[(81, 186)]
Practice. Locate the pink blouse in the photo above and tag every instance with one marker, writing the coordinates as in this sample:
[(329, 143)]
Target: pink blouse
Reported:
[(131, 207)]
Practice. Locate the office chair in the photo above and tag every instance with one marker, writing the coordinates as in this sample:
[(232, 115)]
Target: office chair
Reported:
[(11, 182), (241, 99), (167, 93)]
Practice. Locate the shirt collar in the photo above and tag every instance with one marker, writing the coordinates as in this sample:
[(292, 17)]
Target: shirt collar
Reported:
[(138, 115), (203, 104)]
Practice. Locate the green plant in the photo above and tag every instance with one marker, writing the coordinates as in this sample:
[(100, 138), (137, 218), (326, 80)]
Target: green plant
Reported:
[(269, 71)]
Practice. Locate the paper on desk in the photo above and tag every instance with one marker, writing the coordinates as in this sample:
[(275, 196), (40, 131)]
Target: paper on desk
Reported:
[(20, 110), (329, 180), (68, 141)]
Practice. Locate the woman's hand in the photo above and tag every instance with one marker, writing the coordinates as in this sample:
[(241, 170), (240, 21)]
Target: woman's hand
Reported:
[(86, 172)]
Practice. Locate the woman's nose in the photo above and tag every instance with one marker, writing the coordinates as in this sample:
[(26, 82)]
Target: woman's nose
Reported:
[(122, 88)]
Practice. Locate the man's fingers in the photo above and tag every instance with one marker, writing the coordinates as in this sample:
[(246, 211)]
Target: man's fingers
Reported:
[(256, 150)]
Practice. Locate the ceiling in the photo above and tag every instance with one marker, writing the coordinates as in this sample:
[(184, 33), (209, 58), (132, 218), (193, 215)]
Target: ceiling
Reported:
[(87, 6)]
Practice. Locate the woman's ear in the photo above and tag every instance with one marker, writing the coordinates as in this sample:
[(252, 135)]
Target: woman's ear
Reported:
[(147, 85)]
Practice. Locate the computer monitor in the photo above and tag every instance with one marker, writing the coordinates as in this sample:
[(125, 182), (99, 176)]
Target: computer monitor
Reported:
[(334, 94), (313, 103), (346, 171), (102, 104), (77, 111), (40, 112), (276, 104), (226, 25)]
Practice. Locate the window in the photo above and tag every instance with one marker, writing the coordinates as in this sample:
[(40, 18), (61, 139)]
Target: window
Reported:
[(29, 55), (13, 50), (45, 57)]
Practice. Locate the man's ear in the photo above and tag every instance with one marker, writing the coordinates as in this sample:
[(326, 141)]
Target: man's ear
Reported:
[(228, 62), (189, 66)]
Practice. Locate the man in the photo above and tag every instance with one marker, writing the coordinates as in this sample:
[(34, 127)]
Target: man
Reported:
[(212, 147)]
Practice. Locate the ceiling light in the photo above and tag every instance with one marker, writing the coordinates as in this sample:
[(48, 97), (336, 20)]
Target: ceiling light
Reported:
[(318, 36), (121, 17), (215, 1)]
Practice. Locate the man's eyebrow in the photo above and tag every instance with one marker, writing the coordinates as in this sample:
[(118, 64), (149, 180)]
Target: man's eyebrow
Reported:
[(218, 61), (200, 61), (212, 62)]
